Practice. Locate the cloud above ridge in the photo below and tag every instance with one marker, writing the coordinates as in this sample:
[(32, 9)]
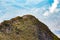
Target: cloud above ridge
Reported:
[(52, 8)]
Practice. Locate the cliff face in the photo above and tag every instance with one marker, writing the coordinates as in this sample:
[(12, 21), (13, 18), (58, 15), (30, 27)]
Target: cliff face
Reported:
[(26, 27)]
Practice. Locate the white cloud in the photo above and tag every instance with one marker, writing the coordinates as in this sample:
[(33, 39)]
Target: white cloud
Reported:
[(46, 13), (12, 12), (52, 8)]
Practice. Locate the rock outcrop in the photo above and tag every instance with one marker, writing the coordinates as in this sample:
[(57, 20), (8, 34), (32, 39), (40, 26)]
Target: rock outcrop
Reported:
[(26, 27)]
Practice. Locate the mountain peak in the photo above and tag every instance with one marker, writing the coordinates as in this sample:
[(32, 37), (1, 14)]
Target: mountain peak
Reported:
[(26, 27)]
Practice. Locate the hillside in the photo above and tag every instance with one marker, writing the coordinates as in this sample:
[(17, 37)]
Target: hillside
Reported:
[(26, 27)]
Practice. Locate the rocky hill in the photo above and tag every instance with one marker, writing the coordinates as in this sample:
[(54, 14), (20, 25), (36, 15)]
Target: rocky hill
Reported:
[(26, 27)]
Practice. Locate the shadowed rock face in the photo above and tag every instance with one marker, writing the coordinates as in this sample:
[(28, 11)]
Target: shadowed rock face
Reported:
[(26, 27)]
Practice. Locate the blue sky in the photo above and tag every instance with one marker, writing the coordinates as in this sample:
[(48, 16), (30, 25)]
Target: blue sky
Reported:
[(46, 11)]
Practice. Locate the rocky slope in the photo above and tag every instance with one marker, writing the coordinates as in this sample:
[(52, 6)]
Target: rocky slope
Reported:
[(26, 27)]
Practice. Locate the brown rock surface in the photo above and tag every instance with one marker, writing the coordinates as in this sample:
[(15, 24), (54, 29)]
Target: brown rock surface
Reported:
[(25, 28)]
